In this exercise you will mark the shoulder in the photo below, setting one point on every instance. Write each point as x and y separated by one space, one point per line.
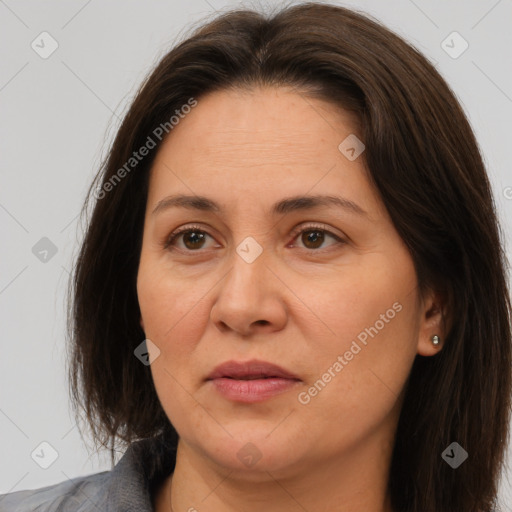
128 487
81 494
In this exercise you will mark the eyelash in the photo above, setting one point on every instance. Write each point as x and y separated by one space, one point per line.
170 241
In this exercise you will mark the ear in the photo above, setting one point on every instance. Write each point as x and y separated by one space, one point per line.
432 322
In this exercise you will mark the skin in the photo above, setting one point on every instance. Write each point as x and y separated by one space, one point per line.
299 304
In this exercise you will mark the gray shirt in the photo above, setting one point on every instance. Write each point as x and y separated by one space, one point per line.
128 487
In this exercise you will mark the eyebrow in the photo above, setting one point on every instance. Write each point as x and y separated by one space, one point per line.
287 205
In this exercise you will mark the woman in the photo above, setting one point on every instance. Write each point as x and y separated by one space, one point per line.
291 294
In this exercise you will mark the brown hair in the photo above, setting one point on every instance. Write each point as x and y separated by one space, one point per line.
424 161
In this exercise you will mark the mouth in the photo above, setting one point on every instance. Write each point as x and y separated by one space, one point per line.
251 381
252 377
250 370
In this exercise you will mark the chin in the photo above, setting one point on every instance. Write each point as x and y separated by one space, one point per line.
253 453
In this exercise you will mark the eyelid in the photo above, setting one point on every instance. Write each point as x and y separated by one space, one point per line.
317 225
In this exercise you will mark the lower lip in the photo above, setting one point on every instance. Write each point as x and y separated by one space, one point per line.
255 390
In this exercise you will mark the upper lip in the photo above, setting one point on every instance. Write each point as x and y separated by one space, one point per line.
248 369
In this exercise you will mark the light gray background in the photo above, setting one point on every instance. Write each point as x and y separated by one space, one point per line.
58 116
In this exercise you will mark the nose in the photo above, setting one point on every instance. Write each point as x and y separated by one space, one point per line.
249 299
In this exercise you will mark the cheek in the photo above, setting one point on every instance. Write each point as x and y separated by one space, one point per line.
373 300
370 299
362 366
172 311
166 305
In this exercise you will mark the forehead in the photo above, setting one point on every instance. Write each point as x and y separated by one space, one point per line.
269 120
259 142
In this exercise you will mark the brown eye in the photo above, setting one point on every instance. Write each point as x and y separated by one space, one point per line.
312 237
193 239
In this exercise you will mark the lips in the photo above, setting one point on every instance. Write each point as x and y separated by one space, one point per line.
250 370
251 381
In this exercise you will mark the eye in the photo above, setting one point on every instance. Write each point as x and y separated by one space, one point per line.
313 236
193 238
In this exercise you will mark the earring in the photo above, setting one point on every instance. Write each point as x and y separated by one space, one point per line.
435 339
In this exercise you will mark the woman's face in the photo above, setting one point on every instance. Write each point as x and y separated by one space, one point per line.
326 291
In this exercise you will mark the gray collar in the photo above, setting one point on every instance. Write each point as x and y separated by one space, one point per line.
128 487
142 468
